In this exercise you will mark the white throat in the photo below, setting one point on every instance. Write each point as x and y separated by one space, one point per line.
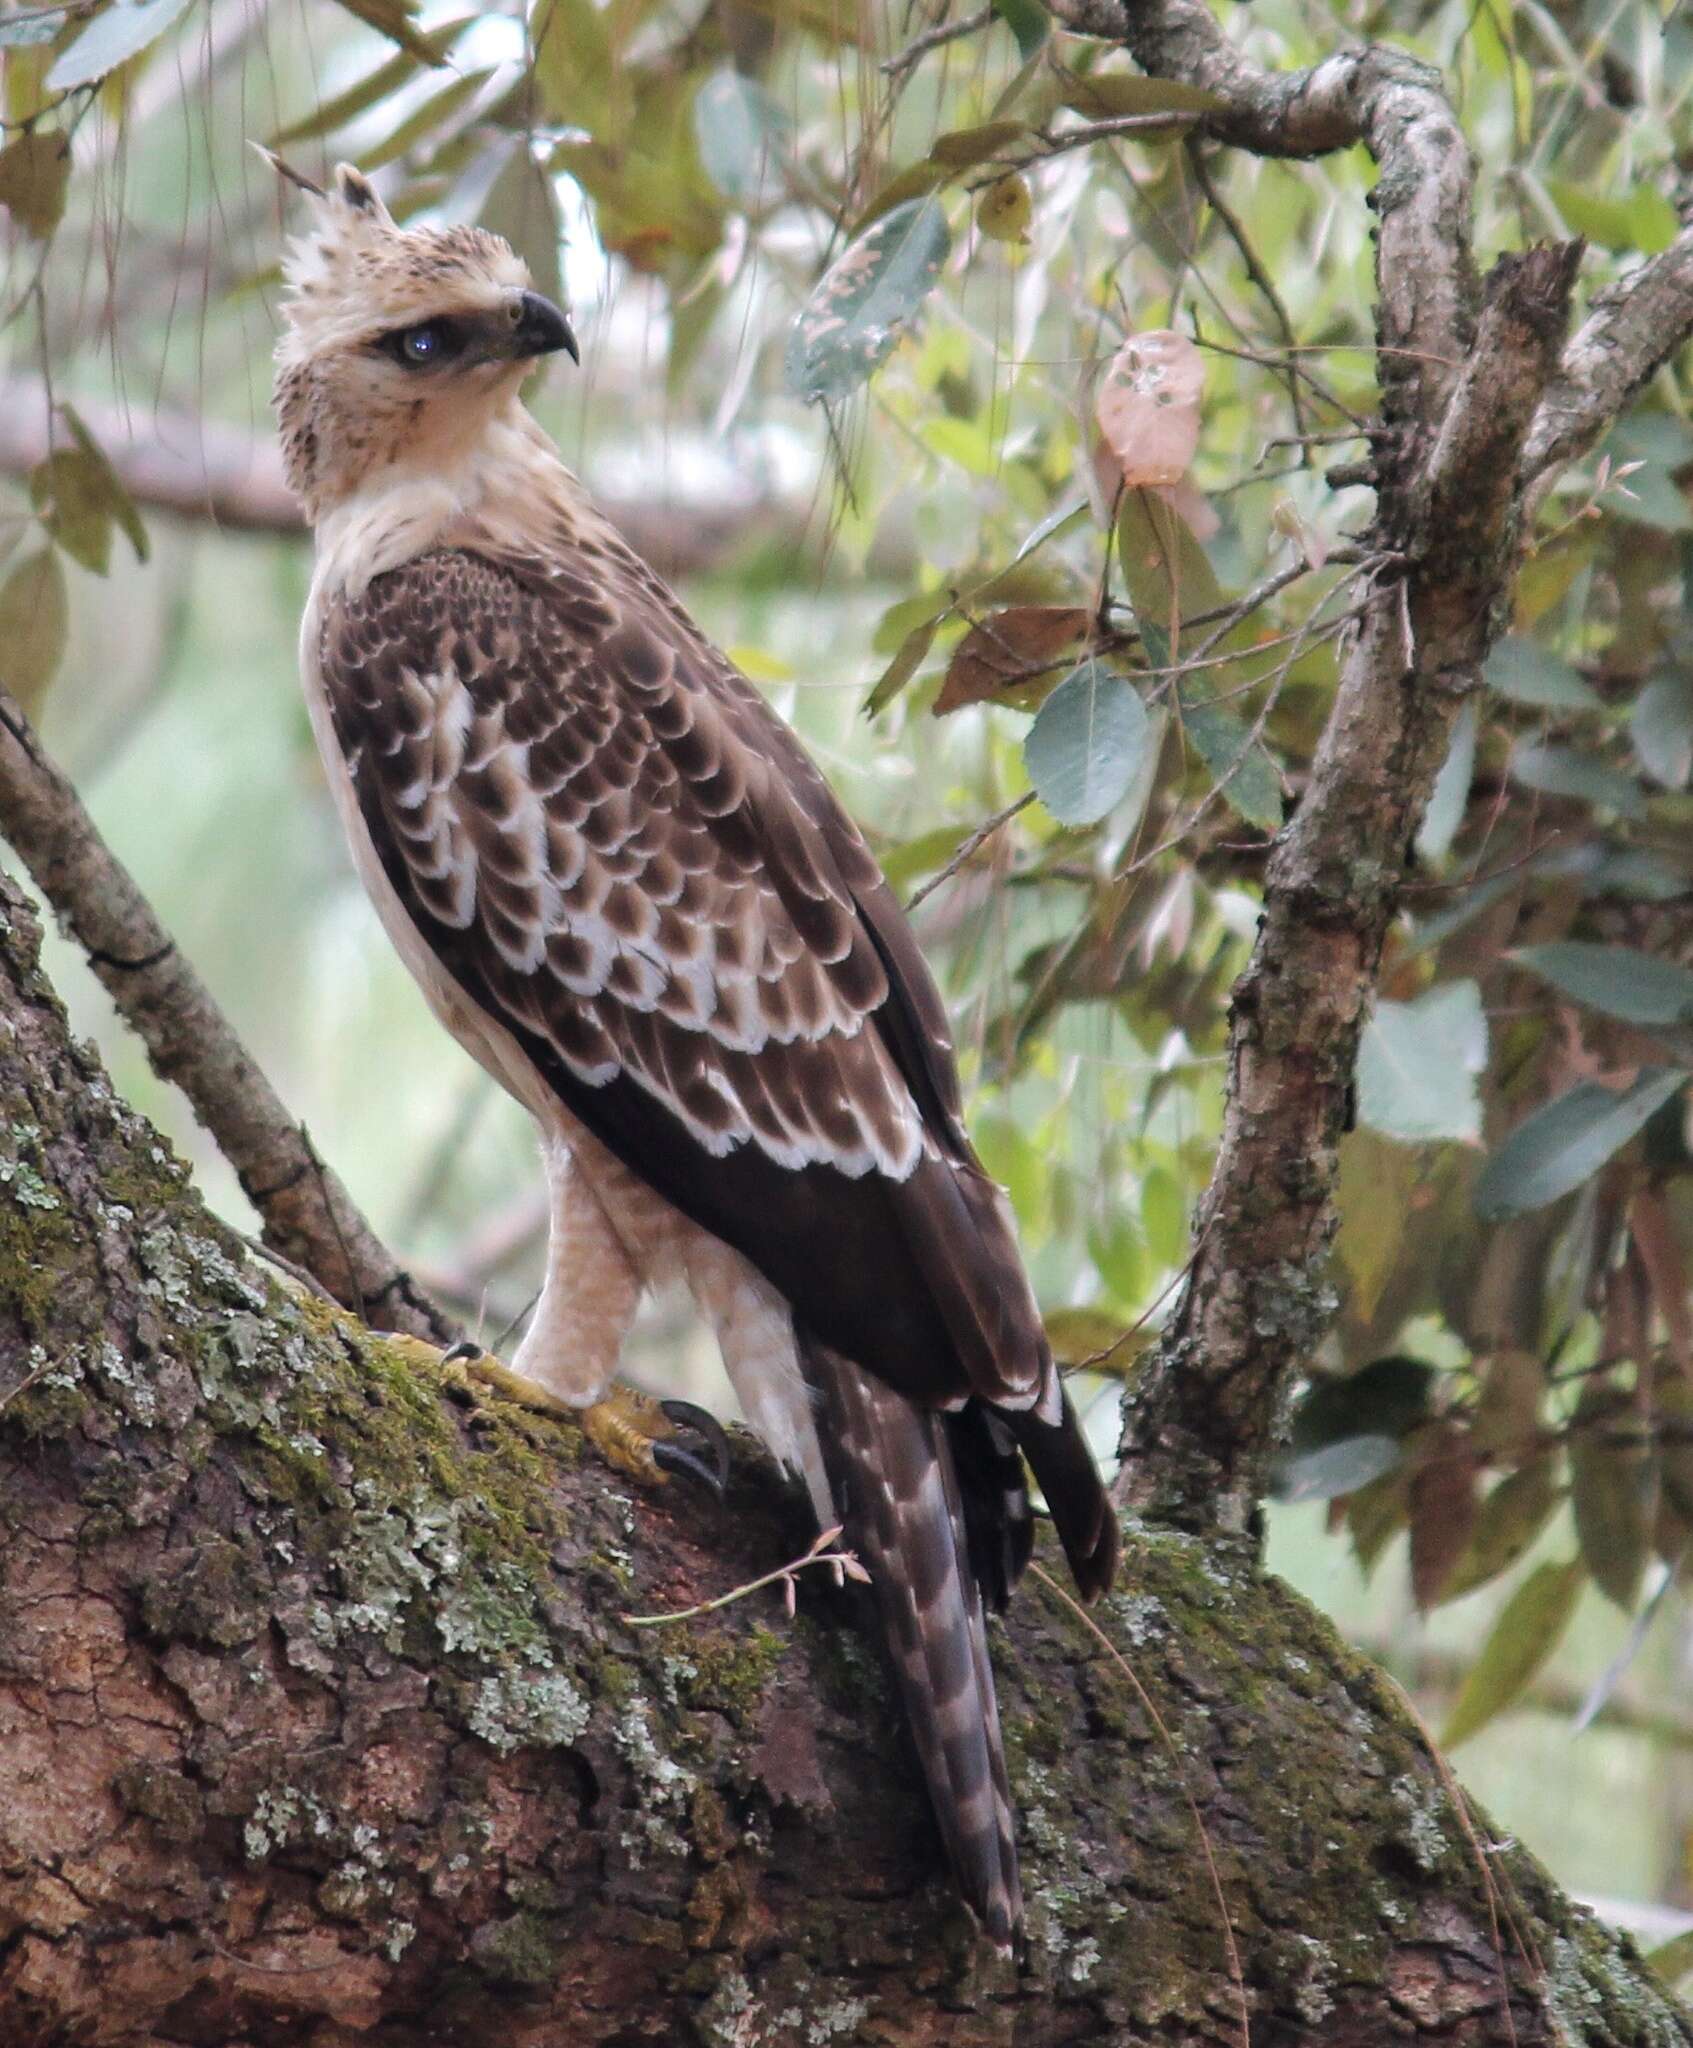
498 483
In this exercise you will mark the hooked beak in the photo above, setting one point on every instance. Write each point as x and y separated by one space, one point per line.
540 329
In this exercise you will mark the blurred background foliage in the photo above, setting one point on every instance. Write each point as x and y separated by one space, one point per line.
851 282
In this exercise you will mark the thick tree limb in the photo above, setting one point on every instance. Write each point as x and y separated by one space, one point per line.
307 1214
319 1725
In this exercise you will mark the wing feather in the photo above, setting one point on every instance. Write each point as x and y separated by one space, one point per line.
611 842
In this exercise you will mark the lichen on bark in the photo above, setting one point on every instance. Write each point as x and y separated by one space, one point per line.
319 1721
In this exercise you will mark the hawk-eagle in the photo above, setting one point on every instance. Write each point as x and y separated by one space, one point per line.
629 893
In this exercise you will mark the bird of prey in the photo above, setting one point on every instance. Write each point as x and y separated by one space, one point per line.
628 892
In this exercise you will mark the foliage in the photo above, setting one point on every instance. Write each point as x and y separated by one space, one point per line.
952 271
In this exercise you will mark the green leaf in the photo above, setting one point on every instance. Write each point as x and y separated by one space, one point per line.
1418 1063
578 68
112 488
1388 1397
1645 220
1163 1214
1525 1635
393 19
1238 763
122 31
1511 1517
1567 1141
1557 771
1527 673
1613 1489
1165 570
1450 797
1661 727
34 618
964 148
68 493
909 658
1335 1469
388 77
1107 95
1615 980
522 206
1028 21
742 133
1086 744
34 172
865 301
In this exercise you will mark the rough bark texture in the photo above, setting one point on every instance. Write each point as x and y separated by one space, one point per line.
1463 373
319 1725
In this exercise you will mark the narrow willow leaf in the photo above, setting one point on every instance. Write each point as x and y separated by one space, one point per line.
1086 744
34 618
31 30
1524 1636
866 300
1105 95
1442 1499
1566 1142
123 30
906 662
522 206
1165 570
964 148
393 19
1418 1064
1614 979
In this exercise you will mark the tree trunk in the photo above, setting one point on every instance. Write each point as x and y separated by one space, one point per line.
321 1723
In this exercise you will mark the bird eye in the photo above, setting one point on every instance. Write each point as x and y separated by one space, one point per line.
420 347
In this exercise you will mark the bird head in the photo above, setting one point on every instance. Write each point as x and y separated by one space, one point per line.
400 345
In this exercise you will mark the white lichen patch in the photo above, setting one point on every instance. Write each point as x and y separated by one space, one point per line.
1422 1833
663 1787
283 1814
514 1711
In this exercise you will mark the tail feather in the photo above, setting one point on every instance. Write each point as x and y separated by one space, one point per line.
891 1466
1065 1472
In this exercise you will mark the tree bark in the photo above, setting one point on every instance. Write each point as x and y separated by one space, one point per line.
320 1722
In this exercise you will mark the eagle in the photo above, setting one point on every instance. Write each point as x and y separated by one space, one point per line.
629 893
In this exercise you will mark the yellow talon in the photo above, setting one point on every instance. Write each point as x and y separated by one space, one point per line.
634 1433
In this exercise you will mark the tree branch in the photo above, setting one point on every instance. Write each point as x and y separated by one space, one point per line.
318 1723
193 468
307 1214
1633 330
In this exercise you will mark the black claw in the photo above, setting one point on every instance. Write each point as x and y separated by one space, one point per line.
461 1353
709 1431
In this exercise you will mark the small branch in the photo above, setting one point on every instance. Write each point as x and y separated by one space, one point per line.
843 1564
1254 270
932 39
1632 331
309 1218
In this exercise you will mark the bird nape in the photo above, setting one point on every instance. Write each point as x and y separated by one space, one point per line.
628 892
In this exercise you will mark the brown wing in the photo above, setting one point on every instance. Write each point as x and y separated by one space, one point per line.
617 850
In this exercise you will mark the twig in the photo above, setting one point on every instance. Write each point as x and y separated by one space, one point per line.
932 39
308 1216
843 1564
1254 268
972 846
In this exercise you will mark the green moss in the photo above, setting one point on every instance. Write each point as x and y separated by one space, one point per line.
725 1674
526 1951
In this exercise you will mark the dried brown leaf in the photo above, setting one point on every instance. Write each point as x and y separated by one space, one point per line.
1010 652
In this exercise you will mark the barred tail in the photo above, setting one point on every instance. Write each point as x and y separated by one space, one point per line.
891 1468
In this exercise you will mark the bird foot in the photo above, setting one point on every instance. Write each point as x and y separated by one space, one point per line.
647 1439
